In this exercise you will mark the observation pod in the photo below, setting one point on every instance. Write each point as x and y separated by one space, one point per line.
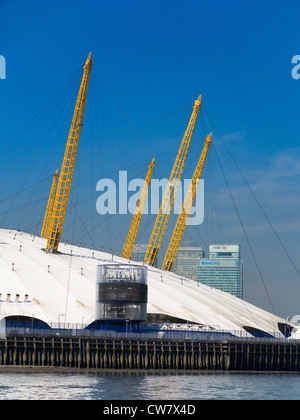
121 295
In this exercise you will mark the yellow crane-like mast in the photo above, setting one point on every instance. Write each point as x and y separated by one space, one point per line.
169 195
186 209
133 230
67 170
50 205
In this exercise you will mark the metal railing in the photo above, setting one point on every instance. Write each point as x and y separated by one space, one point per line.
76 330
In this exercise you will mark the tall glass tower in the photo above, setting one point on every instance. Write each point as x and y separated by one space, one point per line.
186 261
223 269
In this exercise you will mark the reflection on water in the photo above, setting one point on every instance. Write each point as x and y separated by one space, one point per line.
148 386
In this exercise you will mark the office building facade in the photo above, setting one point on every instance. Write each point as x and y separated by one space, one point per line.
223 269
187 261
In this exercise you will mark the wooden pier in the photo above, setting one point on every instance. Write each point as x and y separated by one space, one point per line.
148 354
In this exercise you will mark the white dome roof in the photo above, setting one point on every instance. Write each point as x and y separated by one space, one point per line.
61 288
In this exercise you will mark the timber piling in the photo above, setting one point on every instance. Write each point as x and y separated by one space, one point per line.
149 354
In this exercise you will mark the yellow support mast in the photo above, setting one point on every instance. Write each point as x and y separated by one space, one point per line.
67 170
133 230
50 206
169 195
186 209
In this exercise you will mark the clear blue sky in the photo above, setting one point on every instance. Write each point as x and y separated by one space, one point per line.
156 57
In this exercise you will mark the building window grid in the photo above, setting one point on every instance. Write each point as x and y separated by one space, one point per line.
227 279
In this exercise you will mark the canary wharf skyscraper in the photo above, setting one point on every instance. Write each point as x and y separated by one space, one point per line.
223 269
187 261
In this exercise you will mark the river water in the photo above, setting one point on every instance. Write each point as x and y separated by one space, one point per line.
149 386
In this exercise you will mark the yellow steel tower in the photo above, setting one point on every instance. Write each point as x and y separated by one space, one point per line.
133 230
50 205
185 211
169 195
67 170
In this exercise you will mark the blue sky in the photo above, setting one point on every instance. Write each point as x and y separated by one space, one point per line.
152 59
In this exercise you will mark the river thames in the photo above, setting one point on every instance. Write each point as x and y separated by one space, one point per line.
149 386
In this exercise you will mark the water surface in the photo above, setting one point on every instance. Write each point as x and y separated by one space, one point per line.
149 386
